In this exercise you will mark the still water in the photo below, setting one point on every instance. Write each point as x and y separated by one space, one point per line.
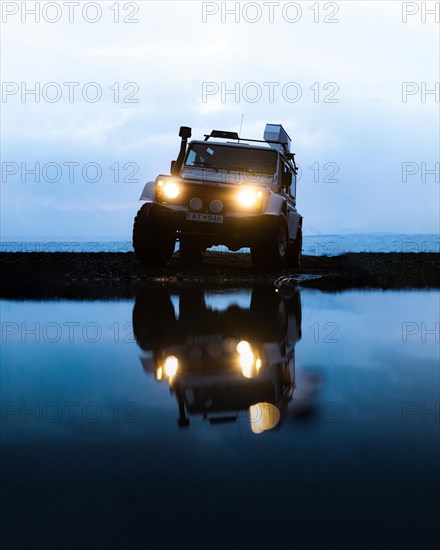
229 419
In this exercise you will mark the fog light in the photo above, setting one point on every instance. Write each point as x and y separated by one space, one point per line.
216 206
196 203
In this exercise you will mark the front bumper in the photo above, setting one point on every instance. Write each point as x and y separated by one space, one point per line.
235 232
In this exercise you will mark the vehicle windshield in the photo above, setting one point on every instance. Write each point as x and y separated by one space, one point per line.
255 162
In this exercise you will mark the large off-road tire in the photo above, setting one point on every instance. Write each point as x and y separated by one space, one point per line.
270 252
153 239
269 315
154 320
295 250
191 252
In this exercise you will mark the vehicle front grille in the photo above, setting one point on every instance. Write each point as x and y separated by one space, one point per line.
207 194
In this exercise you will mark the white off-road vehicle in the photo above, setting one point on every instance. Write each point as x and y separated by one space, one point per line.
224 190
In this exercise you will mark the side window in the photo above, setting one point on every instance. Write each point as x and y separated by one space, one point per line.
293 186
191 157
286 177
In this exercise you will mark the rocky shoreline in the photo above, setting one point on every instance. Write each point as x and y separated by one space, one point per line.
109 275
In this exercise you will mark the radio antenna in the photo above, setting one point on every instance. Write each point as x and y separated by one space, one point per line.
241 125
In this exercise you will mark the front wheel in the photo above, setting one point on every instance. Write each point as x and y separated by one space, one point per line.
271 251
153 239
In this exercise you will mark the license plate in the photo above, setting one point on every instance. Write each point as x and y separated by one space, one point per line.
210 218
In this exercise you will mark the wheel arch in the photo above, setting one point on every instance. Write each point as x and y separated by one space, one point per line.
148 192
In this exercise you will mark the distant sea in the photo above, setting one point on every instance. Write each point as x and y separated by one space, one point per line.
313 245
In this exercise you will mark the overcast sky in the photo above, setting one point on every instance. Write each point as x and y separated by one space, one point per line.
337 72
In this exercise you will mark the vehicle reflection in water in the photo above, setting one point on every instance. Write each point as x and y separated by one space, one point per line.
220 358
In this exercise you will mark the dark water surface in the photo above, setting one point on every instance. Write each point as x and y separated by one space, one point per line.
222 420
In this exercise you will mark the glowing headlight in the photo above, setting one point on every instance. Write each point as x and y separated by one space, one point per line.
249 197
169 188
171 365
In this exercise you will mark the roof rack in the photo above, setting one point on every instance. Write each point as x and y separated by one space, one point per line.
284 142
222 134
234 135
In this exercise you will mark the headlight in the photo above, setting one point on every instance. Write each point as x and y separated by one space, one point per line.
249 197
170 189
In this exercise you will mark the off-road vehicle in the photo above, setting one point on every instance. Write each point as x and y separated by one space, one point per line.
224 190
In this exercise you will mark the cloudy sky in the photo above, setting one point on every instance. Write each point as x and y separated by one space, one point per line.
337 72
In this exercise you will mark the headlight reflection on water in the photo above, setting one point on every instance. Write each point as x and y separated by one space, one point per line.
250 365
169 368
171 365
263 417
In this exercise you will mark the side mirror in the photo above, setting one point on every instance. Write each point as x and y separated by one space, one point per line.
185 132
173 164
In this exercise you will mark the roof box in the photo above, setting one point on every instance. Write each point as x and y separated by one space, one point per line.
277 137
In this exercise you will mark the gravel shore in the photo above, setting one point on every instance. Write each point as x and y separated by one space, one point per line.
119 275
